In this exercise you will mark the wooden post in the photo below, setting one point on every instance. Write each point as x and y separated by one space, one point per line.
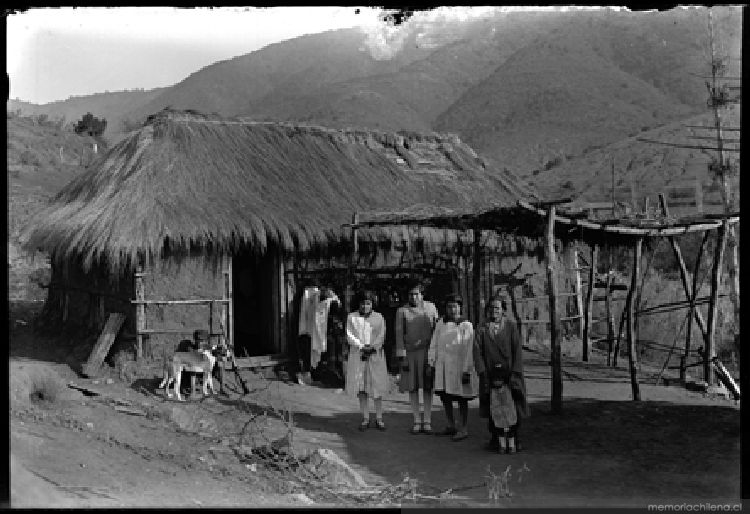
223 307
588 312
710 349
228 307
698 195
140 314
610 314
476 272
631 320
692 309
554 321
684 276
283 306
349 293
210 320
100 317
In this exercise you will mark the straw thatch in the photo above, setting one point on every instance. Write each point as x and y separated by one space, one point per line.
187 180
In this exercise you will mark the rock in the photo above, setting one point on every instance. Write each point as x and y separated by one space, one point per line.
718 390
328 464
90 426
302 498
95 382
110 381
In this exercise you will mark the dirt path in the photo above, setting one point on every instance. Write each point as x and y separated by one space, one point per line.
128 446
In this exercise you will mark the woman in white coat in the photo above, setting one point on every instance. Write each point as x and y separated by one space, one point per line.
451 360
366 372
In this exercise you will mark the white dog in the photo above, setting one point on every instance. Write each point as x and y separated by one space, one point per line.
198 361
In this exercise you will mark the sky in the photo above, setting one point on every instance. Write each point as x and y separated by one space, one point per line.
55 53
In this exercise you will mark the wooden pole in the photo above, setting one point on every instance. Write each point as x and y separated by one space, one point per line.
140 316
734 264
692 309
556 361
349 293
589 306
476 277
227 294
623 319
579 305
710 349
631 320
684 275
610 314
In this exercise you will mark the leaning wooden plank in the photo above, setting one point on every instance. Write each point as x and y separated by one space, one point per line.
726 378
103 344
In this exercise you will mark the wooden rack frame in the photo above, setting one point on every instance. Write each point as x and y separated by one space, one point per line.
225 305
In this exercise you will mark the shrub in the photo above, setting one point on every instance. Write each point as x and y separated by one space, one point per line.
90 125
27 157
552 163
44 389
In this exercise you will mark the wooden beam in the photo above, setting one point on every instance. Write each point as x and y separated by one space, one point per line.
589 305
199 301
631 320
684 276
228 279
554 322
710 350
140 312
693 310
579 305
610 313
476 277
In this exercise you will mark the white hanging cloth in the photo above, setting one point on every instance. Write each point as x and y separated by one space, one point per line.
320 327
307 307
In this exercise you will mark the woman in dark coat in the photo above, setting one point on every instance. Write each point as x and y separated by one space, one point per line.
501 358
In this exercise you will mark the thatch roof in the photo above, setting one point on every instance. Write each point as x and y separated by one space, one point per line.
187 180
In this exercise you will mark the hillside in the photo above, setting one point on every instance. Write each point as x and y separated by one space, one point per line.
41 159
594 80
523 88
110 106
650 167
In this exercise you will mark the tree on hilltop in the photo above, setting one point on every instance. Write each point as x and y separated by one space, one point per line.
90 125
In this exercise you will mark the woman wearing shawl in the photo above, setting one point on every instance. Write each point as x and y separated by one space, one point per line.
501 364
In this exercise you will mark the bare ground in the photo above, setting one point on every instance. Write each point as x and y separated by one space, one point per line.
126 445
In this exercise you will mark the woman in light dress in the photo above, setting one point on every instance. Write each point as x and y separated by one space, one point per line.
366 372
451 358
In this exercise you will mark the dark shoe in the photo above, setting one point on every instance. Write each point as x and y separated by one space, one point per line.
460 436
447 431
416 429
380 425
426 428
364 425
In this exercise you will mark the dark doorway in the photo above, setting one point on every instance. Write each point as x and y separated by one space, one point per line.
253 294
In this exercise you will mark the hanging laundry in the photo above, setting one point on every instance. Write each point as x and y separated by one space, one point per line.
308 304
320 324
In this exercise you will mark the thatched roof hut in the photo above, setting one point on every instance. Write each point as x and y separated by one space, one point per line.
187 180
